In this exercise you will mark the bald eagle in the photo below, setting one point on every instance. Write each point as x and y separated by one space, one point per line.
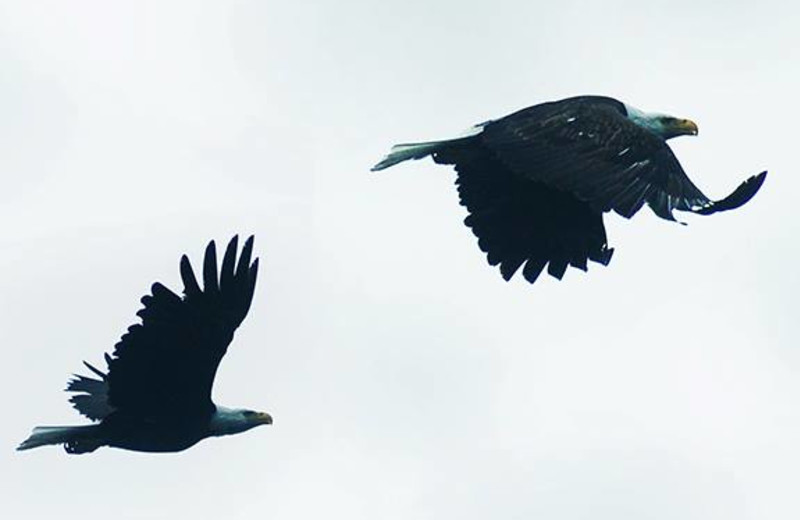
537 182
156 393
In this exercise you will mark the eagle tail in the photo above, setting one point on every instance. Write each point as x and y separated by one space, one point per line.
76 439
405 152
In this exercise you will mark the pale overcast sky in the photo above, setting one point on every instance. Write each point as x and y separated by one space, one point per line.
406 378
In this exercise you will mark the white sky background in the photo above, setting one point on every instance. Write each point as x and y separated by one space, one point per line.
406 379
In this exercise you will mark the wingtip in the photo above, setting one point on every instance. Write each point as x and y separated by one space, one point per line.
210 274
229 261
246 254
211 251
739 197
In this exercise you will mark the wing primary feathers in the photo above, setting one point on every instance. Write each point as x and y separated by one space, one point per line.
251 287
244 259
253 275
743 193
190 285
244 278
210 280
226 277
660 206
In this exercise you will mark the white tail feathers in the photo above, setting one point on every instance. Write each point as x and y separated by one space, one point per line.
404 152
45 435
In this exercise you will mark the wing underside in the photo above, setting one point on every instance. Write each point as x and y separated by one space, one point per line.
519 222
166 364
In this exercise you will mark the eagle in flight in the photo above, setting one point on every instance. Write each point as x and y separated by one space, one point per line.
537 182
156 393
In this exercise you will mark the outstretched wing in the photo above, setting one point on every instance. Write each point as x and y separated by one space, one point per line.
740 195
588 147
165 366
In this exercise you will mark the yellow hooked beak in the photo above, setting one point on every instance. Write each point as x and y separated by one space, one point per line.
686 127
262 418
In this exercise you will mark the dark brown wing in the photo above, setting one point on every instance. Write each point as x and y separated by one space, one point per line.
166 365
518 221
588 147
